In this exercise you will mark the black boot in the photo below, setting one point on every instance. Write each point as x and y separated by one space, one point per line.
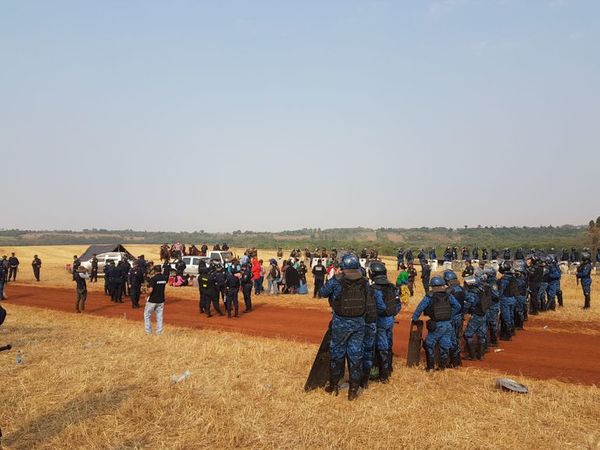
430 362
586 304
481 346
456 360
236 312
470 350
333 387
353 390
364 381
493 340
518 321
505 332
443 363
559 297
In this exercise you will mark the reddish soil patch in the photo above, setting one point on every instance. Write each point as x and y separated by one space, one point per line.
535 352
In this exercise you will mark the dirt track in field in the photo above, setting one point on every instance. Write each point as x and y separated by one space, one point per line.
535 352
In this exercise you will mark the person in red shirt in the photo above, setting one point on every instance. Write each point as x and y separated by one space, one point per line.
256 275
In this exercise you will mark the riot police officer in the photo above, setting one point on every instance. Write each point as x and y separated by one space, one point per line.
584 276
347 294
478 299
246 282
456 290
509 290
440 306
387 304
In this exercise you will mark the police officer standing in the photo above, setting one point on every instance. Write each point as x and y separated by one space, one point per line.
440 306
318 277
136 278
347 294
246 282
94 269
425 274
584 276
36 264
13 267
387 304
232 287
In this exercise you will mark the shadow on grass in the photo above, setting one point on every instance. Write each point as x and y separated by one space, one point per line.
51 424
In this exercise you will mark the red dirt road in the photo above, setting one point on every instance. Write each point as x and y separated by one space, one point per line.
535 352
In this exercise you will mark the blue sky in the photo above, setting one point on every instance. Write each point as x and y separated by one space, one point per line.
270 115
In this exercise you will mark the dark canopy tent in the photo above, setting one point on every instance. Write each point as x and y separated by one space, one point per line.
102 248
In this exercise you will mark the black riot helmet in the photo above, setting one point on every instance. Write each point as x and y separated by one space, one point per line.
377 269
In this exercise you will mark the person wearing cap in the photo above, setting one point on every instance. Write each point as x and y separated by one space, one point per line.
440 306
36 264
155 302
80 278
13 267
232 288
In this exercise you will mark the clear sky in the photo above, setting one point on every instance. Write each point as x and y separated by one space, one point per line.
270 115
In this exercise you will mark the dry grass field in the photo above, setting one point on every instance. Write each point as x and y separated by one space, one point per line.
92 383
55 258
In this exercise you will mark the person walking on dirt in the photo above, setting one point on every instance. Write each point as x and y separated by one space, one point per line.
155 302
584 276
425 274
347 294
13 267
36 264
81 289
136 278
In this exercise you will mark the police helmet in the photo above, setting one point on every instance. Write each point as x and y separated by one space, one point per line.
438 284
506 267
490 273
586 257
376 269
470 281
449 275
350 262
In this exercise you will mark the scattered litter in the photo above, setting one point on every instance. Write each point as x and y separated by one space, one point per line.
268 387
545 327
506 384
19 358
179 378
498 350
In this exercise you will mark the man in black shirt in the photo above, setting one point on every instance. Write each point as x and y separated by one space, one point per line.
155 301
79 277
36 265
319 277
232 286
76 264
13 267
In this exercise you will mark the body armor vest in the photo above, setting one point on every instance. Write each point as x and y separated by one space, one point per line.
353 300
440 309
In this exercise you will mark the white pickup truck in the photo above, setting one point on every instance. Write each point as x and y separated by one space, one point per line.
192 262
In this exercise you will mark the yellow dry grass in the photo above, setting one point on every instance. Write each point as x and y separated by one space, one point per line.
55 258
92 383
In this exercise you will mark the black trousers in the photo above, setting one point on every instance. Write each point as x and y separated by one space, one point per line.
36 273
247 292
134 293
12 272
94 275
232 300
318 286
117 291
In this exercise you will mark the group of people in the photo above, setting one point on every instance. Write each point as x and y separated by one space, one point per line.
451 253
525 287
178 250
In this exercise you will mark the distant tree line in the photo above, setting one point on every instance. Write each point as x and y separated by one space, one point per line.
385 240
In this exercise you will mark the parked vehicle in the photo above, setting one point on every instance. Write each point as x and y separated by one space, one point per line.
104 258
191 264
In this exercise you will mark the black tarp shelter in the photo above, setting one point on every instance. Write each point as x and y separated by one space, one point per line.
102 248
